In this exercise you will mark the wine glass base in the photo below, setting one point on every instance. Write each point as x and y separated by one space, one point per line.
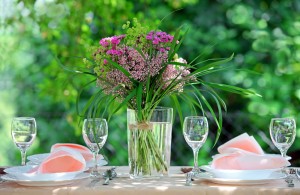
288 157
201 174
95 175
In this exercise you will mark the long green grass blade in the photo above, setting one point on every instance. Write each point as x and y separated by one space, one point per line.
212 65
87 72
79 95
208 106
175 46
177 106
193 104
202 53
211 90
232 89
120 68
124 102
139 98
220 117
140 52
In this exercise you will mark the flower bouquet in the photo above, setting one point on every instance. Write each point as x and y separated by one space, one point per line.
139 69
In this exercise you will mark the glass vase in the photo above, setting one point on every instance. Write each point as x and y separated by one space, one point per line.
149 143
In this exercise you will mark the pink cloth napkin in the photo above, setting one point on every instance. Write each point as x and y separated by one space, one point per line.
60 160
244 153
84 151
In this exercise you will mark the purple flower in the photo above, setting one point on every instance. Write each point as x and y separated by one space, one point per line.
155 41
105 42
115 40
159 37
109 52
114 52
149 36
162 49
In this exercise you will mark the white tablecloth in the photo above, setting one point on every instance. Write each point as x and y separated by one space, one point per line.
175 184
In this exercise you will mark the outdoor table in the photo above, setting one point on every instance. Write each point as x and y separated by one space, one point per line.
174 184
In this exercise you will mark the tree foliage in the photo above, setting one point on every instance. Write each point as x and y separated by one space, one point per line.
264 35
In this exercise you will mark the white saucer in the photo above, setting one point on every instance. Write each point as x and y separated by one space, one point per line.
24 173
22 182
272 178
240 174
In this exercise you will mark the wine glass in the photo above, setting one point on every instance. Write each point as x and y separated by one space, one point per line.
94 132
23 131
283 132
195 130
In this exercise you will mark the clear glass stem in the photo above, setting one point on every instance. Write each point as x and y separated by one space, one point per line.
95 173
23 156
95 160
95 169
196 168
283 153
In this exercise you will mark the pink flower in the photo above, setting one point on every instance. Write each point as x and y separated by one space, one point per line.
149 36
155 41
117 39
114 52
159 37
104 42
162 49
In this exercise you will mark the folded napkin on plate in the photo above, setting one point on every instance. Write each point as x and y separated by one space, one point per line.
244 153
84 151
61 160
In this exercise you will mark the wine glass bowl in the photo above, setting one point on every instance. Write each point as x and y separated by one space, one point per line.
23 132
95 132
283 132
195 131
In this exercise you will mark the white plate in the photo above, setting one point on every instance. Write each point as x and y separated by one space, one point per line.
22 172
47 182
240 174
272 178
38 158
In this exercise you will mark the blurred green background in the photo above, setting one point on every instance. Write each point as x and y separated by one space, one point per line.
264 36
